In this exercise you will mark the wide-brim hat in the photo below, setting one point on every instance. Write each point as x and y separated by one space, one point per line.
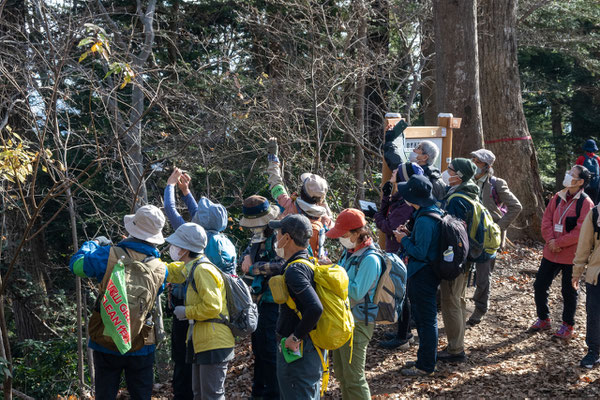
417 191
257 212
590 146
146 224
189 236
314 185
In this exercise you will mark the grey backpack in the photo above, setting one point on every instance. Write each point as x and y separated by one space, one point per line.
243 313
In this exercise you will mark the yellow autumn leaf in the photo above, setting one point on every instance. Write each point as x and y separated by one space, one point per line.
44 169
97 46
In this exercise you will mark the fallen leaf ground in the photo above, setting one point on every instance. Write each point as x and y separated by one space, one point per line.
503 359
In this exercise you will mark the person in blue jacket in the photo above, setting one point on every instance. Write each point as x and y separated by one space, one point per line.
364 269
219 250
421 246
91 261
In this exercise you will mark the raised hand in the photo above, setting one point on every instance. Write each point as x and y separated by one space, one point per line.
184 183
175 175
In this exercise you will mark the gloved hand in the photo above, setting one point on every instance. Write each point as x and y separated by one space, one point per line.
370 212
387 189
272 147
103 241
179 312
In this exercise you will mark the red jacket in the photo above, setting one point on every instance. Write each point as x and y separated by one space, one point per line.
581 159
553 216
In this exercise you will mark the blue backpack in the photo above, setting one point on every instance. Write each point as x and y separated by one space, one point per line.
391 286
591 163
221 252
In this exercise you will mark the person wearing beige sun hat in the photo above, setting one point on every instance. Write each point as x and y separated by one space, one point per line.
310 202
95 259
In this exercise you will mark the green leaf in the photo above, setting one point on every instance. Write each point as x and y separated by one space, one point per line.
83 56
85 41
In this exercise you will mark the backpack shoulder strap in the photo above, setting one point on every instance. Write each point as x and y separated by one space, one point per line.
190 279
595 222
579 204
463 196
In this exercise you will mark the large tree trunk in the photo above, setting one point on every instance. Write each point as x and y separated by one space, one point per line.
457 70
504 123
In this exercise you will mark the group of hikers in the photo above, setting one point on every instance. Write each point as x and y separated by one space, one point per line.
439 229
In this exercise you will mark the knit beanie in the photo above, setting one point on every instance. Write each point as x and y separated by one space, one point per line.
464 168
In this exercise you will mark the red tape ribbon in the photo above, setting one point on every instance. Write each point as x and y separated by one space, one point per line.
508 139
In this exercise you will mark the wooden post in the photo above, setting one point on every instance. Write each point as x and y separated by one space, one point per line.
444 131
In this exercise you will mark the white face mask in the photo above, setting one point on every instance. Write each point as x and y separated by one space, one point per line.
412 157
446 177
258 235
174 252
347 243
568 181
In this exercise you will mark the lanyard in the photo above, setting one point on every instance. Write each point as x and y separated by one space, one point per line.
566 209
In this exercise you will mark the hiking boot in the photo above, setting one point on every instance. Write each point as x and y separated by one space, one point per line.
590 360
409 364
540 325
444 356
473 322
395 343
565 331
414 371
390 335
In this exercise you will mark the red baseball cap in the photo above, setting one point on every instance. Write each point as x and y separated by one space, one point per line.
349 219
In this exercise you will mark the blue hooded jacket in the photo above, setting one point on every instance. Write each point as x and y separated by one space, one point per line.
213 218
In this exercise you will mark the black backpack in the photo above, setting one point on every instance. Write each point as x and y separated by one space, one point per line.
453 232
571 222
595 222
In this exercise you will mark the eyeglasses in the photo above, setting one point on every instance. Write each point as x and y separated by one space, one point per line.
451 169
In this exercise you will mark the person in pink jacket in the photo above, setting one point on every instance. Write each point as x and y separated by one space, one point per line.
561 224
311 202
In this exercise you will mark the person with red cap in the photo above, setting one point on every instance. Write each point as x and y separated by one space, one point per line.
363 265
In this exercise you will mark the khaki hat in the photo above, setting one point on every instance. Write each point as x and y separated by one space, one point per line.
146 224
314 185
189 236
257 212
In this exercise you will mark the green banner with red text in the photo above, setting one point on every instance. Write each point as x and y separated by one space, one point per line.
115 309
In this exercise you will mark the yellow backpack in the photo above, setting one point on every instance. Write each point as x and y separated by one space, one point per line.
336 325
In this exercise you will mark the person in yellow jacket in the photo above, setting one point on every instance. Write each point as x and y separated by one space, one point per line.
210 343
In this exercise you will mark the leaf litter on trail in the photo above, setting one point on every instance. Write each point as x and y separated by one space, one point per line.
503 359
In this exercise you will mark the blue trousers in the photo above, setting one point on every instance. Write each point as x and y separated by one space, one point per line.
592 308
422 289
264 348
300 379
139 375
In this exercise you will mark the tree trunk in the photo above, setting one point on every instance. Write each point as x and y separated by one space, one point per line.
457 70
562 157
359 105
504 122
428 75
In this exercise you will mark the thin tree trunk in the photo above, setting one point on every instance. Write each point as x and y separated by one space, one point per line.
359 105
559 150
428 74
457 70
504 122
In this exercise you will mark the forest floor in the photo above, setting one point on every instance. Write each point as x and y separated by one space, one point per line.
504 360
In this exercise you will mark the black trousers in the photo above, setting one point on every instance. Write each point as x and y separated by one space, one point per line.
182 372
139 375
543 280
264 348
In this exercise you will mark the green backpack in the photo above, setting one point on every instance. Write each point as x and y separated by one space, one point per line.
485 236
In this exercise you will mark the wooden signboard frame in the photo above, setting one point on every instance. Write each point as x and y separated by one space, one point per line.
444 130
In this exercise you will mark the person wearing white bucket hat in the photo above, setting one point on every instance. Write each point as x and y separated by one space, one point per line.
311 202
210 344
95 259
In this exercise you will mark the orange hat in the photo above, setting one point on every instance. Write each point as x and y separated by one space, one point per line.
349 219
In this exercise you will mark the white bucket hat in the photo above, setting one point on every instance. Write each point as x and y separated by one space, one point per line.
189 236
146 224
